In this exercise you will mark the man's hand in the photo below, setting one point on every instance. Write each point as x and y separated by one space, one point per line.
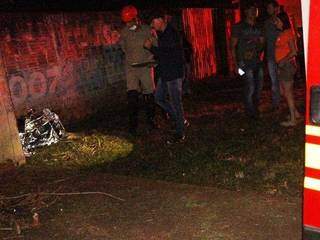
148 44
154 33
281 63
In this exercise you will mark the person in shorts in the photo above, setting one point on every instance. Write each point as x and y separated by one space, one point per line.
285 52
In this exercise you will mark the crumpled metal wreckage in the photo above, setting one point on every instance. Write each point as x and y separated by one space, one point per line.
40 131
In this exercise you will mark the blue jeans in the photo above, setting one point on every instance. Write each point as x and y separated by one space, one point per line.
174 106
275 86
252 89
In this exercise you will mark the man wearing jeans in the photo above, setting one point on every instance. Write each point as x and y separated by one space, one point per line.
169 54
271 34
247 46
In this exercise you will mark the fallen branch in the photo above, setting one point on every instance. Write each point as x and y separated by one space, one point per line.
6 229
14 237
64 194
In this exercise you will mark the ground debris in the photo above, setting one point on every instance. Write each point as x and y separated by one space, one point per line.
22 212
40 131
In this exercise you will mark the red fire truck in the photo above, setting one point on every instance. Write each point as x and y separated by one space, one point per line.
311 211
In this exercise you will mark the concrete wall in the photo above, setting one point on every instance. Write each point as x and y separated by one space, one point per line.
69 62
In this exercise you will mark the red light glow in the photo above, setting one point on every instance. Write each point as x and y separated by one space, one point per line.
198 26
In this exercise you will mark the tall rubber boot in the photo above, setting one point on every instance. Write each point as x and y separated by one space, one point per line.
133 111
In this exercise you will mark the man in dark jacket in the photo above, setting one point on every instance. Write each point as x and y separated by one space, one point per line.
169 54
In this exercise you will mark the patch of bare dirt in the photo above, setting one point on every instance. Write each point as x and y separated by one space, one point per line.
155 210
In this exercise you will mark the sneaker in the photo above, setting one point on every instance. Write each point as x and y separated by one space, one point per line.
186 123
288 123
166 116
173 126
298 116
176 139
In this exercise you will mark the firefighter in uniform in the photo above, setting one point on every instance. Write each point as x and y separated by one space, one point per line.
139 75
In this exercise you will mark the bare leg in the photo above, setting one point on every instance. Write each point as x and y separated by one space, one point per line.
288 92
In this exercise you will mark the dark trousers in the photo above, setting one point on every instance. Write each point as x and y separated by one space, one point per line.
174 106
253 80
133 98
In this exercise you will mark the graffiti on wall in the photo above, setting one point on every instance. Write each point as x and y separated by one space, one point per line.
69 80
60 58
32 85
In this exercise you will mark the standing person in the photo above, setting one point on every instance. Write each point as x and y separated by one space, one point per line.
169 54
285 52
271 33
247 47
139 76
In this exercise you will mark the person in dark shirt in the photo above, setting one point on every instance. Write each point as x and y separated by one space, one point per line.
271 33
247 44
169 54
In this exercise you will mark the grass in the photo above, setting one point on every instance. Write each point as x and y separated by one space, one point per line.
82 151
223 147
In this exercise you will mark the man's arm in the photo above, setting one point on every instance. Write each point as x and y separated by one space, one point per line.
165 51
122 41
